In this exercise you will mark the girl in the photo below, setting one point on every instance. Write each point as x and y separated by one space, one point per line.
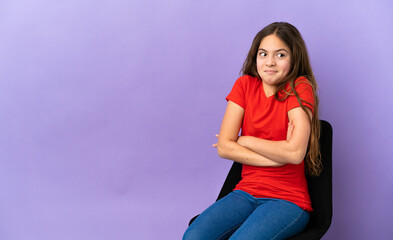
275 105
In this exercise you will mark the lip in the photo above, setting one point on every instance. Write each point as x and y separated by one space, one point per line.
270 71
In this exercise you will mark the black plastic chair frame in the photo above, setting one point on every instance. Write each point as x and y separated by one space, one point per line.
320 189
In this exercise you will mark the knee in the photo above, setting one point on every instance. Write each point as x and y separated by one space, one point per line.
191 235
194 233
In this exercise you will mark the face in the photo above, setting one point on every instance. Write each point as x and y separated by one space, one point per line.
273 60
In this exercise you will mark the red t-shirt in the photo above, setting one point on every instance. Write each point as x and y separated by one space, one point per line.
267 118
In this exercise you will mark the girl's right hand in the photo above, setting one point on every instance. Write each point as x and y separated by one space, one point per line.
215 144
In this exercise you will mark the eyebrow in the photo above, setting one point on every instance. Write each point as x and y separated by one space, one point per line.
281 49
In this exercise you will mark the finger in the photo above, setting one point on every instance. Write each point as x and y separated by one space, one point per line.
290 130
214 145
217 135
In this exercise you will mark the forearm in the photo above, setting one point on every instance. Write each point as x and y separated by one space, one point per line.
284 152
235 152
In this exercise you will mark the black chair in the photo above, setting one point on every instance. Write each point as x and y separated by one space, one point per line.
320 189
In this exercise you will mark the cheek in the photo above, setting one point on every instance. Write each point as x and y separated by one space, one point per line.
286 66
259 63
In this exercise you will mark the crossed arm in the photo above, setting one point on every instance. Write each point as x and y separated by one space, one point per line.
260 152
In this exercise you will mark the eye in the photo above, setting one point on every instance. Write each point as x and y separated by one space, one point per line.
280 55
263 54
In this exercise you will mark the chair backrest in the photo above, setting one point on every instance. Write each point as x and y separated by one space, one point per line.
320 188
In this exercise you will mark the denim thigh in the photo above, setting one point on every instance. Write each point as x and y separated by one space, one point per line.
272 219
221 219
241 216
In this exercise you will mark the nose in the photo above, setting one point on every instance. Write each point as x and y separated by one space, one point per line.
270 61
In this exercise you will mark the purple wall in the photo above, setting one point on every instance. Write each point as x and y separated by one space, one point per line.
109 108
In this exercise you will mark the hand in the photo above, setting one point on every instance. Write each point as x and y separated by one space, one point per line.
290 130
215 144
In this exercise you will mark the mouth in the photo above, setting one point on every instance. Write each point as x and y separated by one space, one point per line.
270 71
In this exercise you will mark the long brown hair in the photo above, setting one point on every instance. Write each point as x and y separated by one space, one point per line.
300 67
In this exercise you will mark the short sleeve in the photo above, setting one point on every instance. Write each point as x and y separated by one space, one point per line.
237 94
305 92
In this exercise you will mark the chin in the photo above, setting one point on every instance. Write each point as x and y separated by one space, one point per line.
271 81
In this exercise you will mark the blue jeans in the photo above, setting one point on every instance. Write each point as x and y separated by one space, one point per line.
241 216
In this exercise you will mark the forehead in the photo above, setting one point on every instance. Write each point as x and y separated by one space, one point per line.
272 43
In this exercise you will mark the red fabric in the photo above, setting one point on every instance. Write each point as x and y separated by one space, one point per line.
267 118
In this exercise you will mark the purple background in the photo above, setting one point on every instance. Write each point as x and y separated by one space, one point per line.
109 109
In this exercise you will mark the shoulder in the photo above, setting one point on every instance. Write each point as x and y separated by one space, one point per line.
305 91
302 87
247 81
301 84
302 79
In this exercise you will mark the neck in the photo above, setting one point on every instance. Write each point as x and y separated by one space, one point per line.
269 89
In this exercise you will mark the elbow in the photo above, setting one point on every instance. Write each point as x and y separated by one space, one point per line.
295 153
222 153
223 149
297 161
296 157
